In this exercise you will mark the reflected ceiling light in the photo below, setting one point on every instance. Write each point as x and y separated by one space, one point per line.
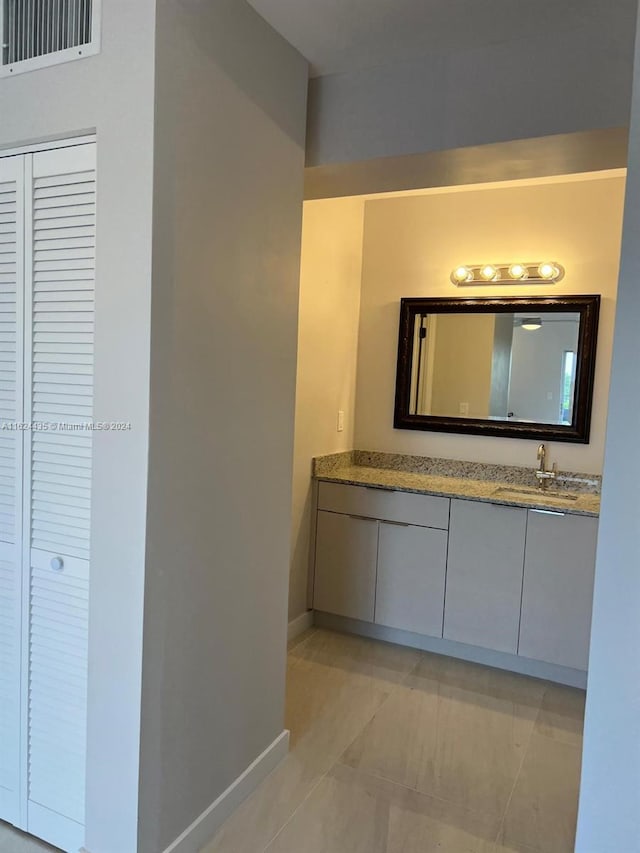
532 324
537 272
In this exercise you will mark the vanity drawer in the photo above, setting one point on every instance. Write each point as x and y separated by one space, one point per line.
370 502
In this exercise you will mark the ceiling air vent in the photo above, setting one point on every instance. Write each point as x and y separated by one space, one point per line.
37 33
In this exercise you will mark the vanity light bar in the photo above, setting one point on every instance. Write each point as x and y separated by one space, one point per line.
540 272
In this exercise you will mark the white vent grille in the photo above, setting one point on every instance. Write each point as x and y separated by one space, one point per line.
38 32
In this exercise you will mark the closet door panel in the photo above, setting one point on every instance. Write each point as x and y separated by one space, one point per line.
11 462
60 453
59 606
10 682
62 349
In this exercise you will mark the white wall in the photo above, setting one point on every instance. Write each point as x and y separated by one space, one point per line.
113 94
609 816
230 122
330 276
556 83
411 244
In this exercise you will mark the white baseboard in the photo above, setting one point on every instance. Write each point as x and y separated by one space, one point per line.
299 625
207 824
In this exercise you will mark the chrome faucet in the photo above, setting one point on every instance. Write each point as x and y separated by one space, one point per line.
543 476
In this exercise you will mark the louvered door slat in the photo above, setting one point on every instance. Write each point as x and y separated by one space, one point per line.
58 680
61 403
71 187
11 445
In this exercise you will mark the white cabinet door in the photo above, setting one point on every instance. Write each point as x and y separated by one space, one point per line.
557 594
484 575
59 394
11 454
345 573
411 576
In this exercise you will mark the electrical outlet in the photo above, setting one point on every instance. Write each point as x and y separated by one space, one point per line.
464 408
341 421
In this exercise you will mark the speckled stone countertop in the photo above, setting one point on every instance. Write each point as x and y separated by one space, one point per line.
347 468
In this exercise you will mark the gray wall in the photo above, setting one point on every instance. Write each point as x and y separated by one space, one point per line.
230 123
111 93
609 818
536 370
559 83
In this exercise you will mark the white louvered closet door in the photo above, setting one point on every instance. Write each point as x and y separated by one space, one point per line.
11 452
61 231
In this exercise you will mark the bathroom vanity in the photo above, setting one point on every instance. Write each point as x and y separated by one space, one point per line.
489 563
498 572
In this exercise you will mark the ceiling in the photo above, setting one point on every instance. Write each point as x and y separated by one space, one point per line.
346 35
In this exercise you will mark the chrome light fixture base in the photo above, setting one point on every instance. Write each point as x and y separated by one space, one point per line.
538 272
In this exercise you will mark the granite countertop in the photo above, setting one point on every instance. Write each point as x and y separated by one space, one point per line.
580 503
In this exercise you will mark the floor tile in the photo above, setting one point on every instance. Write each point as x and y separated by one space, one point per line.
358 655
352 812
258 820
543 809
486 680
301 638
13 841
447 741
327 707
561 714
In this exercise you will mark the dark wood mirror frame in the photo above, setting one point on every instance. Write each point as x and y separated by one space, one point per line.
588 307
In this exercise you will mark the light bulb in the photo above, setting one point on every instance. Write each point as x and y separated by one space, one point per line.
518 271
461 274
548 271
489 273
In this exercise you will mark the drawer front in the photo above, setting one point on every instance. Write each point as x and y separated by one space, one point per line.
404 507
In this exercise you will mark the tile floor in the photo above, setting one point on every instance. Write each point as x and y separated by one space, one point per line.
398 751
12 841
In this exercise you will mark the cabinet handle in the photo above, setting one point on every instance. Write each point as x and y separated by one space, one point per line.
57 564
361 517
396 523
548 512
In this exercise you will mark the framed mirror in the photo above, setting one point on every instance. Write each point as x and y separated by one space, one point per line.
521 367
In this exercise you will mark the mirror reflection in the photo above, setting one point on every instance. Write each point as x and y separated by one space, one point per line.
515 367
